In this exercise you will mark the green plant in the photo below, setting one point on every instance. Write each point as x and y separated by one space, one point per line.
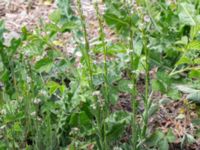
105 99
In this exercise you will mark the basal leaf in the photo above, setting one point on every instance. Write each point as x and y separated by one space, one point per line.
170 136
163 144
194 97
186 89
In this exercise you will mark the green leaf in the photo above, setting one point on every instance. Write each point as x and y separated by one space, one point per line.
163 144
174 94
158 86
14 117
115 132
68 26
116 123
44 65
186 89
194 74
125 86
196 122
187 13
98 79
194 97
155 138
190 138
194 31
55 16
197 61
53 86
113 95
184 60
2 30
79 119
153 109
170 136
65 7
194 45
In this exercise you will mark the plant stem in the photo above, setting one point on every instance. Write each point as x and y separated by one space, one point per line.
147 100
106 84
87 58
146 97
134 88
87 45
183 70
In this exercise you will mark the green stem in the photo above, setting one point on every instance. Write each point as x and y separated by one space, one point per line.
147 100
87 45
134 139
87 59
183 70
106 84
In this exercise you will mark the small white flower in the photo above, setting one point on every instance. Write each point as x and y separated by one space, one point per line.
3 112
28 79
33 113
147 18
96 93
93 106
43 92
36 101
130 86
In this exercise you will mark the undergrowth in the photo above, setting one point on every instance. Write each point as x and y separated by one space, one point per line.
51 101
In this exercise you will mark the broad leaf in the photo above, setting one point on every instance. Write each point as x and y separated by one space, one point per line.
163 144
194 45
44 65
194 97
187 14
